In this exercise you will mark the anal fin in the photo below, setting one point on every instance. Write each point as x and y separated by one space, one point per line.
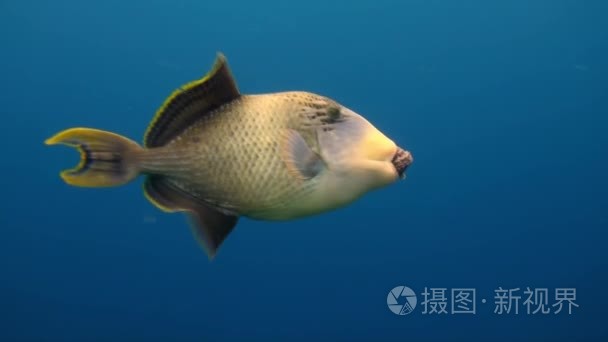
209 226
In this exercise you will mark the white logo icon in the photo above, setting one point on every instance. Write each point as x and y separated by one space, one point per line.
401 300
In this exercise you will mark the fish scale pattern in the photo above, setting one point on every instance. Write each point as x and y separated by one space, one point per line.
231 157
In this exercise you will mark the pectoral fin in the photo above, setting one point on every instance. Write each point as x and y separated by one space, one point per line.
209 225
301 161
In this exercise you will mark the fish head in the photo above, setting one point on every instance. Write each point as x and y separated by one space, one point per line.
359 156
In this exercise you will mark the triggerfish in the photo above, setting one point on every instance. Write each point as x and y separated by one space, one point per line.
216 154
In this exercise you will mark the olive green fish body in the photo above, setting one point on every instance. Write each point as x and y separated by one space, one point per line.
232 157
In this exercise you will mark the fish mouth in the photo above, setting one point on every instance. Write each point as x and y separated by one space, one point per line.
401 160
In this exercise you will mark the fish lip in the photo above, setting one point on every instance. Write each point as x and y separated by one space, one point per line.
401 160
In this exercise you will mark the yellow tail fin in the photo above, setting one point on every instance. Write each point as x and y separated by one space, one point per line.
106 159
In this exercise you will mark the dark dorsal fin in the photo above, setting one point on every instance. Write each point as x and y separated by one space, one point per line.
190 102
209 226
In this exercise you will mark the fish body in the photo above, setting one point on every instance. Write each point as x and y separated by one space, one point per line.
217 155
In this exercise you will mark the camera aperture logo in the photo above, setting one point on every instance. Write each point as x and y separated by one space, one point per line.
401 300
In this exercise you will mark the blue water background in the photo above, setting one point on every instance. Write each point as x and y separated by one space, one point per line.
504 105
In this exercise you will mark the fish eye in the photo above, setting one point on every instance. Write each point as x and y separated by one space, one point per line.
333 113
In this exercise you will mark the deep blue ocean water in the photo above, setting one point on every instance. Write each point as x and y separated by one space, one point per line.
504 105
